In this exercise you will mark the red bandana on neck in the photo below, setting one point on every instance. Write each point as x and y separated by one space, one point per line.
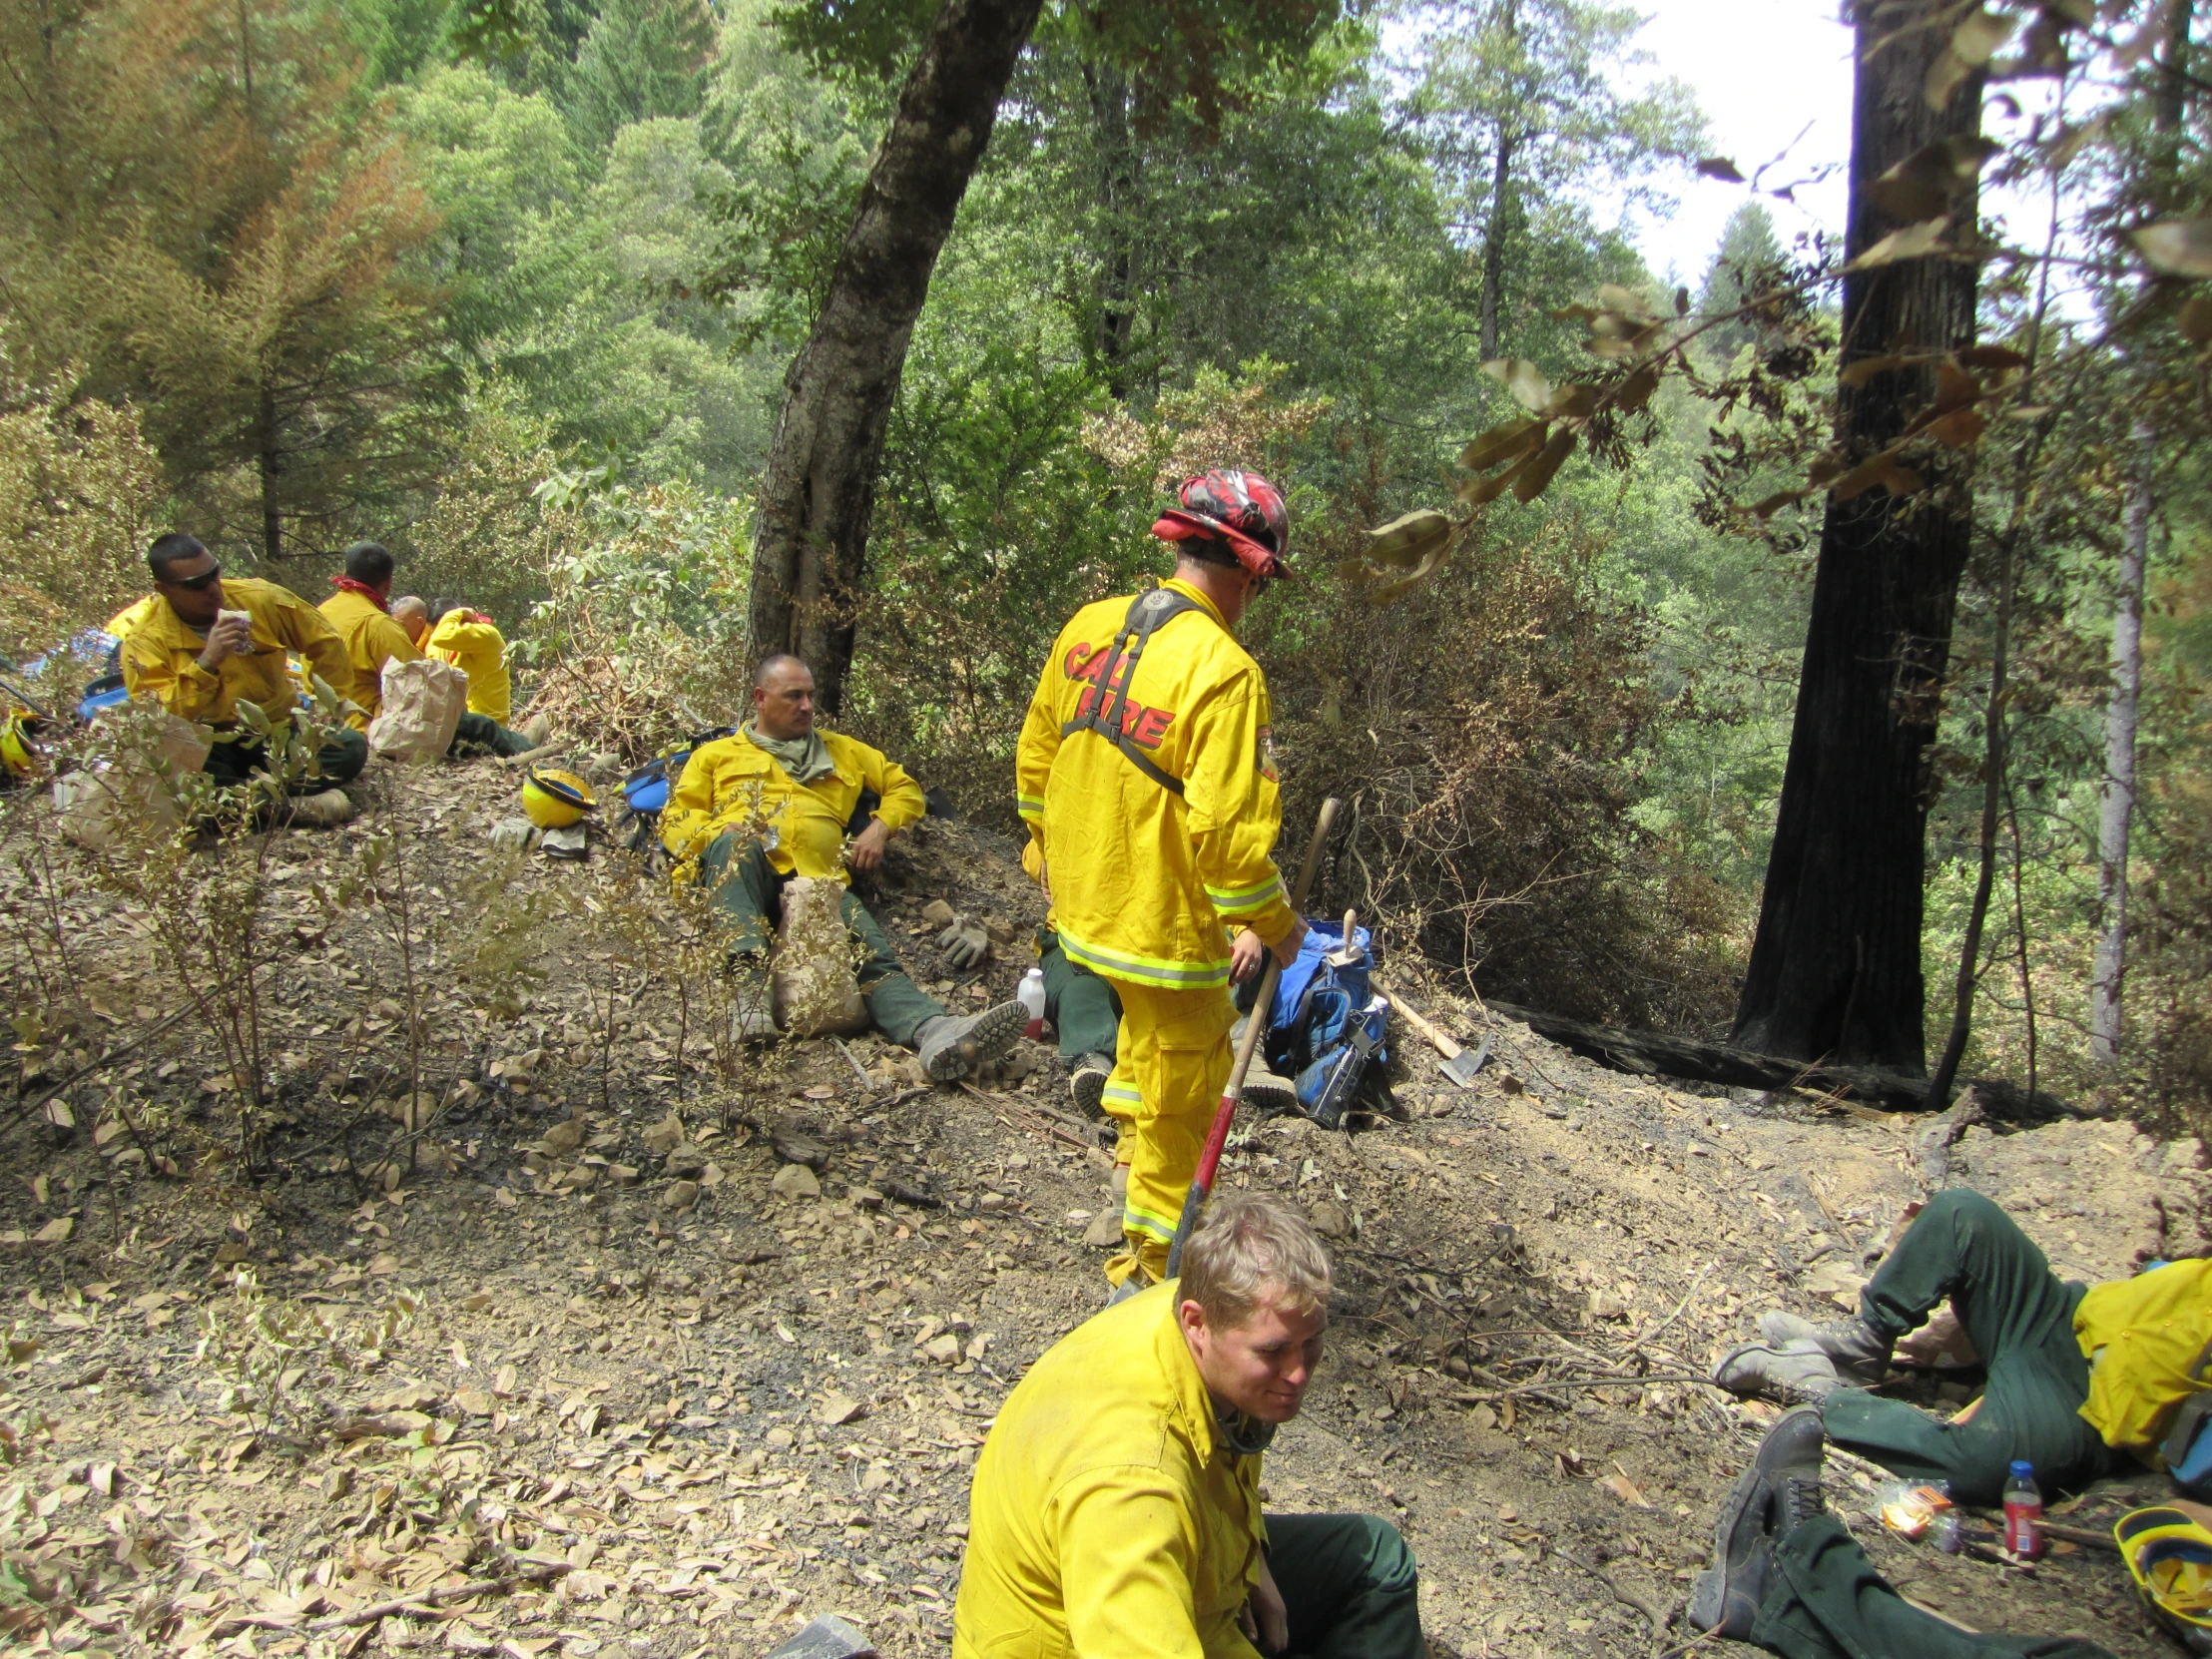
346 584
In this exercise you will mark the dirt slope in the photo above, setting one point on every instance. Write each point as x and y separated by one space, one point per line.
595 1337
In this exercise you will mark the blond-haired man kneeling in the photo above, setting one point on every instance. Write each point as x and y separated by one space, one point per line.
1116 1505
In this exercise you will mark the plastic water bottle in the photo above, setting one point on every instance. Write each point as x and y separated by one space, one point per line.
2023 1514
1031 998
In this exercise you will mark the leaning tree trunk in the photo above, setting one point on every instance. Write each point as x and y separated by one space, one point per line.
1835 968
809 543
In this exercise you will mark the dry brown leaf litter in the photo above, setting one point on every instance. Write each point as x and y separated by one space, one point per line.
584 1352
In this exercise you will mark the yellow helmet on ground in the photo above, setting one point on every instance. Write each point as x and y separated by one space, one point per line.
17 751
556 799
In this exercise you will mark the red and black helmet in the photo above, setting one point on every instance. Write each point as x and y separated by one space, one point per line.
1241 509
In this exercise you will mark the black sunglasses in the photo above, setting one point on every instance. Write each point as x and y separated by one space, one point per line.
201 583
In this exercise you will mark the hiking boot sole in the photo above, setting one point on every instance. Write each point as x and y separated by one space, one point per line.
991 1034
1088 1090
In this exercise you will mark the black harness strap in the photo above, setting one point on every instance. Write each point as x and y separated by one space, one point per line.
1148 613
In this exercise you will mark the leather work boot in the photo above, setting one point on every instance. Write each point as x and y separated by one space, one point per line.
953 1047
1087 1082
538 729
1780 1490
1861 1356
1794 1372
1269 1095
325 808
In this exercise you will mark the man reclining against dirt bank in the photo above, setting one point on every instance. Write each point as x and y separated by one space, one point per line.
1789 1576
802 786
2078 1376
186 655
1116 1503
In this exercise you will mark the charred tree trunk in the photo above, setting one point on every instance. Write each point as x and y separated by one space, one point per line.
818 491
1835 968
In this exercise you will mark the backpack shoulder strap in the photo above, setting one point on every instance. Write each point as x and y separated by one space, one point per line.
1148 613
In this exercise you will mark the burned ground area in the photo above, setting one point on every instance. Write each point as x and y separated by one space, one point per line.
531 1316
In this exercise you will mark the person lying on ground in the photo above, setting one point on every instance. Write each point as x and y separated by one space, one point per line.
1788 1576
751 813
361 613
2081 1378
200 663
1146 774
1116 1502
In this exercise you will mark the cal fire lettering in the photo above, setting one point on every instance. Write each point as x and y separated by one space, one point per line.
1143 726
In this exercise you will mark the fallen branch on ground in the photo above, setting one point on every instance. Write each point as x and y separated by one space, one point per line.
1654 1052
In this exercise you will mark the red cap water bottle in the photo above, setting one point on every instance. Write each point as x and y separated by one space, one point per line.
2023 1514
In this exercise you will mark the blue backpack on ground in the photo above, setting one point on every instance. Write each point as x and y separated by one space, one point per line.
1327 1026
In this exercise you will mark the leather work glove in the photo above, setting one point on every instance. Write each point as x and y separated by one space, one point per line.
964 943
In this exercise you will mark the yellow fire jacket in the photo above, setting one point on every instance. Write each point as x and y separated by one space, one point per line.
1144 878
161 656
724 781
2155 1334
371 640
1107 1515
472 643
120 624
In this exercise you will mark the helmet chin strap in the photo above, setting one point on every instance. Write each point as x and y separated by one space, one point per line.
1243 1433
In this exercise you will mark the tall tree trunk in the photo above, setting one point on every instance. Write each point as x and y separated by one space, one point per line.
1117 202
1493 238
809 545
268 458
2118 806
1835 966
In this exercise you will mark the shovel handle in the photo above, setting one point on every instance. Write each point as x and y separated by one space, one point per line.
1256 1024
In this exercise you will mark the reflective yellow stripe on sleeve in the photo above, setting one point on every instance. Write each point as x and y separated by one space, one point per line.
1230 901
1030 808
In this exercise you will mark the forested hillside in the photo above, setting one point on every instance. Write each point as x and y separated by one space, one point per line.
513 287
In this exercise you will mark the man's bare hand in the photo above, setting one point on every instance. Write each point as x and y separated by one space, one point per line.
1267 1622
866 850
230 636
1246 952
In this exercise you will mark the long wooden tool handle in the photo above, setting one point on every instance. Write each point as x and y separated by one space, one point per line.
1256 1024
1445 1046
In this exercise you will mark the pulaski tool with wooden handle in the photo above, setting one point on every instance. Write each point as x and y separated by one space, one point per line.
1202 1184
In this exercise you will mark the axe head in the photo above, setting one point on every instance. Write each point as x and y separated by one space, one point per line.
1462 1066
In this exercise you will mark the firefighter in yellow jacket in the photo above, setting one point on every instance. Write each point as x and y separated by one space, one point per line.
1116 1508
203 643
778 800
361 613
1147 780
452 633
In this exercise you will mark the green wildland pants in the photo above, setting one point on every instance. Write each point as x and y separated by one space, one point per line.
1082 1007
1827 1601
339 762
1349 1585
748 894
481 732
2020 1315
